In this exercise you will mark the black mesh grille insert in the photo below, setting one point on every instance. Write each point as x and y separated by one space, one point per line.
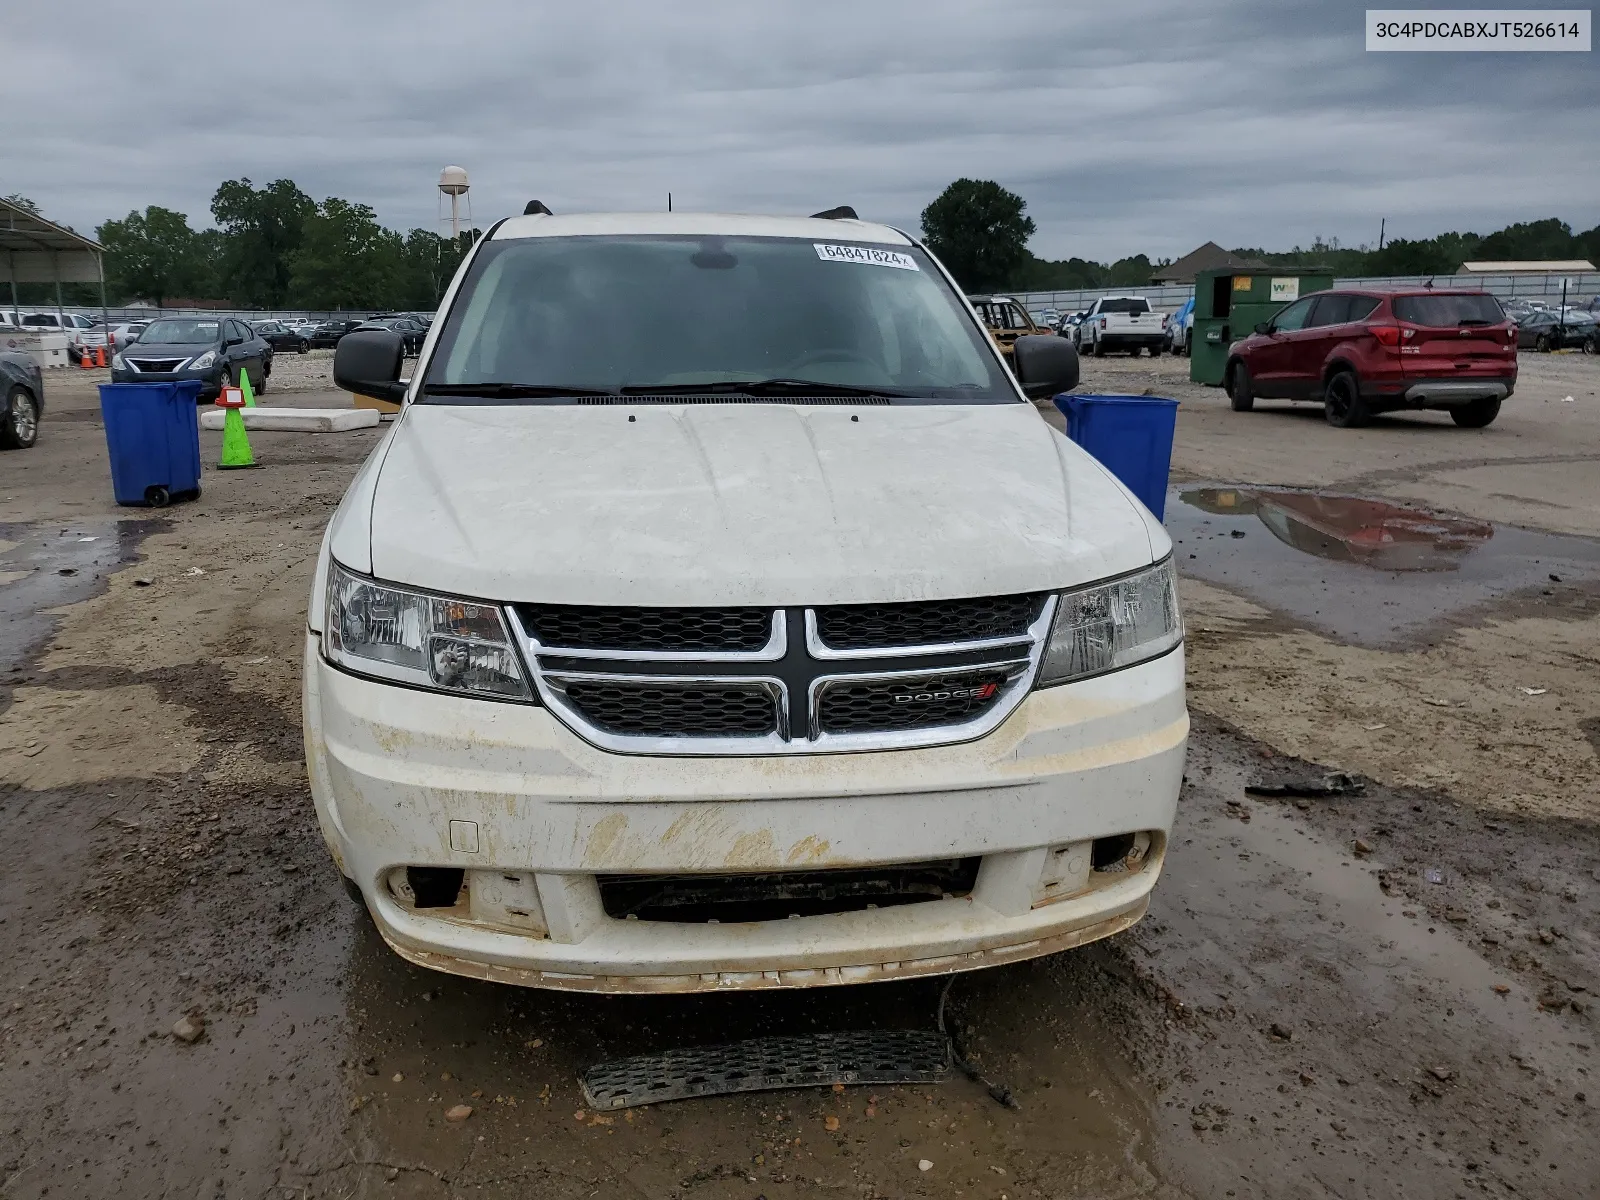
582 627
926 623
873 706
779 895
667 710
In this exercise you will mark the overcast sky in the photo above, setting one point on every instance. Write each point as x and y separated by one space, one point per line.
1129 126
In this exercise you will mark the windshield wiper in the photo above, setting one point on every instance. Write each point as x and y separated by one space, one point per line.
510 391
759 387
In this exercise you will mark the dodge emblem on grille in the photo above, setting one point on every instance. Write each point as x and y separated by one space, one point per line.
981 692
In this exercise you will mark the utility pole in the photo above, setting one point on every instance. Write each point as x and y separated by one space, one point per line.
1382 224
669 201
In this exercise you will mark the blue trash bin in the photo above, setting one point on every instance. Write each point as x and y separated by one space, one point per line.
1130 435
153 437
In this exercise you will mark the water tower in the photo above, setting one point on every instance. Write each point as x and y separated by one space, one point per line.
453 183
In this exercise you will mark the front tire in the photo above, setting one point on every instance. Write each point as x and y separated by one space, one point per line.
19 423
1239 392
1542 344
1342 403
1477 414
1155 351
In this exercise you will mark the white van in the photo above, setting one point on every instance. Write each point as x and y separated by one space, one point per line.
720 613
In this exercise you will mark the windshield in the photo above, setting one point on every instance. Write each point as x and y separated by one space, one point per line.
178 332
1446 310
604 314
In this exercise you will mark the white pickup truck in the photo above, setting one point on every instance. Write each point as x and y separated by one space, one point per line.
719 613
1122 323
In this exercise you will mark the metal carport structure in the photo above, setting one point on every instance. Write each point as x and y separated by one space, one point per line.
34 250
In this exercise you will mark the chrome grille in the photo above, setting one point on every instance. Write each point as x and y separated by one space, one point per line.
745 680
861 705
919 623
639 709
592 627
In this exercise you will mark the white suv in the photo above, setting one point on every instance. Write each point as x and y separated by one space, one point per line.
718 612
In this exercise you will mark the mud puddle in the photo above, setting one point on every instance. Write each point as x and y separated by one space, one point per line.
43 567
426 1043
1364 571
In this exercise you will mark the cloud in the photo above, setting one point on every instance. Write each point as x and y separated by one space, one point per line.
1136 126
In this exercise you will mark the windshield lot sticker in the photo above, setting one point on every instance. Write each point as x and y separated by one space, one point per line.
866 254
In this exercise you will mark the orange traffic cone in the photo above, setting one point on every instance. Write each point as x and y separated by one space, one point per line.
100 356
84 360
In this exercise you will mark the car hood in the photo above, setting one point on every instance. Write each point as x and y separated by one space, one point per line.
762 504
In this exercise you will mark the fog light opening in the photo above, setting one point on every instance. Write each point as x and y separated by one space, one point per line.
434 887
1111 853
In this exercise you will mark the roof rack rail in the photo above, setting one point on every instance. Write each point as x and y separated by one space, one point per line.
536 206
843 213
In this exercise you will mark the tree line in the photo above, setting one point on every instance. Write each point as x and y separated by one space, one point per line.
275 247
980 231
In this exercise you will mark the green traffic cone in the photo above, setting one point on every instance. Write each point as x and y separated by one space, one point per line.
244 386
235 442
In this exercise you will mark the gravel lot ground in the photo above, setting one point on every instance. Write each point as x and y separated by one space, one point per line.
1373 994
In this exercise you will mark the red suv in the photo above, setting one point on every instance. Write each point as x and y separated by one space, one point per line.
1362 352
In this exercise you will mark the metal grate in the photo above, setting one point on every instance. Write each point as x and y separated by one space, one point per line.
767 1064
674 710
779 895
645 630
872 705
926 623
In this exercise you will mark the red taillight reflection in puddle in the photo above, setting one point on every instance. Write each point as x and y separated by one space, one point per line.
1372 533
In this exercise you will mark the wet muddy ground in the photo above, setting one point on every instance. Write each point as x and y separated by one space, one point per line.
1383 992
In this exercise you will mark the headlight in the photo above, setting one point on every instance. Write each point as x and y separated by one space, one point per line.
117 364
207 359
1113 625
427 641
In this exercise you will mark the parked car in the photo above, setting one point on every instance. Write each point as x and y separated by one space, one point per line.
1545 329
1067 326
1180 328
213 350
1005 319
721 614
1121 323
121 334
1360 352
22 389
72 325
329 333
283 337
411 333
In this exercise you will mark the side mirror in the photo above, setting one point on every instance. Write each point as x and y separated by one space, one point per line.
368 363
1044 365
1263 327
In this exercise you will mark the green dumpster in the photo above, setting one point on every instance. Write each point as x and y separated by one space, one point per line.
1230 302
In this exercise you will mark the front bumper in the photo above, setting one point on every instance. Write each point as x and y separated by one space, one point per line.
410 778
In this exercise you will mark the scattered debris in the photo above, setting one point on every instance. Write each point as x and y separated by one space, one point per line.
831 1124
143 581
189 1029
924 1164
1375 728
1442 1074
458 1113
1433 875
1335 783
1527 691
1281 1031
1363 846
194 571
